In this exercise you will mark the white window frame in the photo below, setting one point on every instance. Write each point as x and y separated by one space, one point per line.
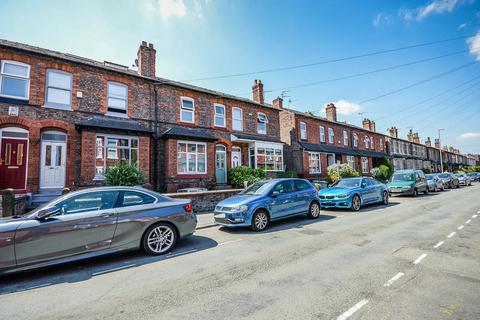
303 131
239 151
219 116
55 105
367 142
8 75
237 119
104 148
345 137
351 161
253 154
318 158
196 172
183 109
355 140
117 113
322 134
381 144
264 123
331 135
364 165
372 142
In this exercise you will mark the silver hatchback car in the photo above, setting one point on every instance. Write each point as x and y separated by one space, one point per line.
94 222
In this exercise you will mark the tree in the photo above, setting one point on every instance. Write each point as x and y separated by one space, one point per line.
338 171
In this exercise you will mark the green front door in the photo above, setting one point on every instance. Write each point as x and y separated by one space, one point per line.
221 164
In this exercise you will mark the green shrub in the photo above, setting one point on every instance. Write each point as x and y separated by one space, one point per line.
376 173
124 175
339 171
237 176
427 170
288 174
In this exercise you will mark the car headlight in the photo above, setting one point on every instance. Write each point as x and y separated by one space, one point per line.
345 195
240 208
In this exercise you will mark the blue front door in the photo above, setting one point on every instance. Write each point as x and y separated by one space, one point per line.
221 164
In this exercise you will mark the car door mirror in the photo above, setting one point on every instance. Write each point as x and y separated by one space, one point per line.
363 185
275 194
47 212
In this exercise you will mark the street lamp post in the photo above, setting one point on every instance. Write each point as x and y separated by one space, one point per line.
440 149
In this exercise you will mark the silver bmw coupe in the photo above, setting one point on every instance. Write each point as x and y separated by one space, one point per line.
94 222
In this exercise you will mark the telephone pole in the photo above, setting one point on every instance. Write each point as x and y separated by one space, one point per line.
440 149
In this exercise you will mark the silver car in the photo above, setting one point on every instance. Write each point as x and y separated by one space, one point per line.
434 183
464 180
94 222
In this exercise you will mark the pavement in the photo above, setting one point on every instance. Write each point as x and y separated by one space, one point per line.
417 258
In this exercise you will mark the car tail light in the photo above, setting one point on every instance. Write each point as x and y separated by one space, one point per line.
188 207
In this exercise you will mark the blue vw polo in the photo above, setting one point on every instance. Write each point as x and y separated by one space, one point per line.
266 201
352 193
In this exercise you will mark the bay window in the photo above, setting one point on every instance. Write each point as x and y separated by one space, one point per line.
187 110
219 118
266 156
191 157
14 80
314 164
113 151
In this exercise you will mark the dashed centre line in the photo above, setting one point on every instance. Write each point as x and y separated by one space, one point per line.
438 244
347 314
461 227
468 221
393 279
474 216
451 234
417 261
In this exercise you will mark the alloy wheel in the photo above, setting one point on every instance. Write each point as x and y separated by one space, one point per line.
261 220
356 203
161 239
385 198
314 210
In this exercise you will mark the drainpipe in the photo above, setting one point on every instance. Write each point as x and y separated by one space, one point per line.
155 139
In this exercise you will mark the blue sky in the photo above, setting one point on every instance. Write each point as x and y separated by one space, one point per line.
203 38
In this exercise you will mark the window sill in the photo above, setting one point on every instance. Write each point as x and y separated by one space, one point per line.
58 107
99 178
118 115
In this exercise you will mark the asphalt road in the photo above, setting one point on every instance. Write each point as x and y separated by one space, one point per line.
409 260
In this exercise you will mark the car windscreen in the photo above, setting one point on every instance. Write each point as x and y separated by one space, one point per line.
429 176
348 183
444 175
400 177
259 187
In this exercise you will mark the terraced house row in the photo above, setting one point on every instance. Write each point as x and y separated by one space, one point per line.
65 120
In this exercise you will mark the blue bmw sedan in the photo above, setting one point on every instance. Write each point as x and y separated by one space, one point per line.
352 193
266 201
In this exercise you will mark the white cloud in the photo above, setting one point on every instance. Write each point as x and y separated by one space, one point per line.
346 107
434 7
382 19
469 136
462 26
166 8
474 45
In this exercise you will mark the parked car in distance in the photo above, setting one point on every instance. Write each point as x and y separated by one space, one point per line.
463 179
320 184
449 180
190 190
408 182
474 176
352 193
94 222
434 183
266 201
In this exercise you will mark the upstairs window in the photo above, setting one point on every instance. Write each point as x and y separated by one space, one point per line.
372 142
367 143
345 137
58 91
117 99
262 123
219 115
381 144
303 131
331 135
237 119
355 140
322 134
14 80
187 112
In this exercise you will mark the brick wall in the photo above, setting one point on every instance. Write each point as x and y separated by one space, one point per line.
205 201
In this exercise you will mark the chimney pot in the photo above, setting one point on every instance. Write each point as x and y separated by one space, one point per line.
331 112
278 103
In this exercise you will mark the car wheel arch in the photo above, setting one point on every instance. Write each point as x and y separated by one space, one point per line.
258 209
156 222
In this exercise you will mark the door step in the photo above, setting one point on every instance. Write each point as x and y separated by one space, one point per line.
45 195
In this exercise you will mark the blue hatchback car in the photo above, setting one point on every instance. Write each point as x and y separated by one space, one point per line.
266 201
352 193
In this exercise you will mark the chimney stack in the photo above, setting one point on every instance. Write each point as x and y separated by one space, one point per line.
428 142
437 144
410 135
257 90
451 149
368 124
393 132
416 138
278 103
331 112
146 59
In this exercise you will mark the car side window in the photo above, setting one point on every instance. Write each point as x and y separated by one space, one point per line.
91 201
132 198
284 187
302 185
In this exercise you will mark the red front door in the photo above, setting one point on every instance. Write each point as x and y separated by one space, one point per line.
13 167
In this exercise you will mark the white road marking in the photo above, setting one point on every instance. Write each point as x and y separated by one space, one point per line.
417 261
112 269
393 279
438 244
180 253
468 221
347 314
460 228
228 242
451 235
474 216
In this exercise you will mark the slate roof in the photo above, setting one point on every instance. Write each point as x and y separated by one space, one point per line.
257 137
348 151
111 123
184 132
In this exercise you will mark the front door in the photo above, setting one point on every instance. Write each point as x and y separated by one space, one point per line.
220 164
13 167
52 164
236 157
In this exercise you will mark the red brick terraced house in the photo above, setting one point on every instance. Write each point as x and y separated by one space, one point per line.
313 143
64 120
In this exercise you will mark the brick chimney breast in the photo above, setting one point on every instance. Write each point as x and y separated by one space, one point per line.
278 103
257 90
416 138
428 142
410 135
437 144
393 132
146 55
331 112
